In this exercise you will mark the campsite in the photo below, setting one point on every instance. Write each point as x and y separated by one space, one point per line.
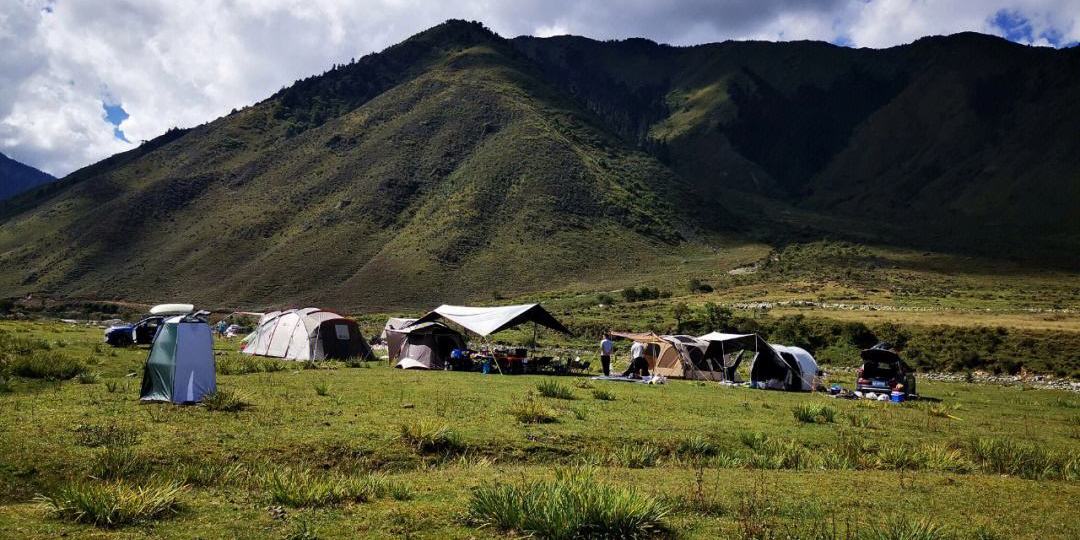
523 270
717 460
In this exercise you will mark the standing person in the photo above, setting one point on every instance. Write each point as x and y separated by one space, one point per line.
606 347
639 367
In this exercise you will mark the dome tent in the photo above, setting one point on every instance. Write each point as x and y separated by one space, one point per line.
180 367
423 346
306 334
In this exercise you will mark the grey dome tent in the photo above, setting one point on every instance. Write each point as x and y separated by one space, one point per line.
307 334
180 367
422 346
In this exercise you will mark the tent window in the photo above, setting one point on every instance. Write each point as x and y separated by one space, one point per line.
342 331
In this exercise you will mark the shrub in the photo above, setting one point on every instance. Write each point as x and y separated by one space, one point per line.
46 364
7 386
533 412
603 395
811 413
943 457
429 437
112 504
302 487
554 389
573 505
225 401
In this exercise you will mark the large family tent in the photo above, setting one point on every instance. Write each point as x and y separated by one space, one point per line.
180 367
730 349
485 321
784 368
307 334
678 356
422 346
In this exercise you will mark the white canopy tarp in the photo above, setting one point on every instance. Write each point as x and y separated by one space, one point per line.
485 321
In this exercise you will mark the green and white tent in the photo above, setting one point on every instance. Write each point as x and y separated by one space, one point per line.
180 368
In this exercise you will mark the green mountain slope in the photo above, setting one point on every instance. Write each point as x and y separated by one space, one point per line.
459 165
964 142
460 168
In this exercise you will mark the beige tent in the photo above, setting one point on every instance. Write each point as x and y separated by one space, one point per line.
679 357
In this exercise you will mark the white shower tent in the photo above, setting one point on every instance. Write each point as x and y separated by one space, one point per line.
306 334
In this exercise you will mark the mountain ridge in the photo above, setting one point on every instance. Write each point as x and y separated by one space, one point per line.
459 165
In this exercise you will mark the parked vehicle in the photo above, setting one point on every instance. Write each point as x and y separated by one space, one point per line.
140 333
884 371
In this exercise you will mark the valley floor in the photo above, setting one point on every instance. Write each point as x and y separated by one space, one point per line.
979 461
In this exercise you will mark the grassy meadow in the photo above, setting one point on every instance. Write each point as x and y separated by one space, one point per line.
363 450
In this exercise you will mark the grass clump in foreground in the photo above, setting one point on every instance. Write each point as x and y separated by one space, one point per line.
533 412
429 437
603 395
225 401
112 504
44 364
814 413
554 389
573 505
304 488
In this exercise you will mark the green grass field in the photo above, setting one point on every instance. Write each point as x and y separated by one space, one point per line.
343 452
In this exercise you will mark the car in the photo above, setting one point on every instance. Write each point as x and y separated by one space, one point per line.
140 333
884 371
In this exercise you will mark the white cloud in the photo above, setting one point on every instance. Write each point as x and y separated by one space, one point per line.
180 63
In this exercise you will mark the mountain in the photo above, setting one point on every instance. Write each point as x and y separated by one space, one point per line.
16 177
965 142
434 169
459 165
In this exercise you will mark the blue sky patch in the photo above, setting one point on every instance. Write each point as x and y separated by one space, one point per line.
1014 25
115 114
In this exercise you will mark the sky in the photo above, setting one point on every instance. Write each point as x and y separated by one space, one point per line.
81 80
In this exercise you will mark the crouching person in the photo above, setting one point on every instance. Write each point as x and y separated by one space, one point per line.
639 367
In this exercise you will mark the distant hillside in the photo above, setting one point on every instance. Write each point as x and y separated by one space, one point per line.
458 164
16 177
966 142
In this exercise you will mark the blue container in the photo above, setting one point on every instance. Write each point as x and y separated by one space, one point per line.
487 365
896 396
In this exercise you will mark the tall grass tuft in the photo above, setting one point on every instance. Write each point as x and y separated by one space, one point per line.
322 389
1006 456
603 394
573 505
305 488
906 529
225 401
696 446
117 461
88 377
554 389
814 413
533 412
638 456
429 437
45 364
113 503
